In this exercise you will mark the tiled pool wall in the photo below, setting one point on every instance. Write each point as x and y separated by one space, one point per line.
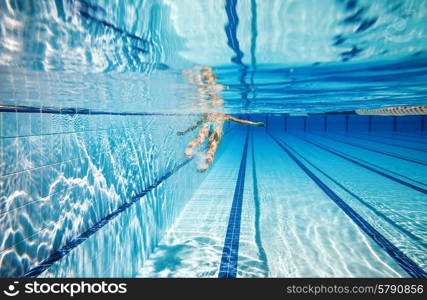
398 124
60 174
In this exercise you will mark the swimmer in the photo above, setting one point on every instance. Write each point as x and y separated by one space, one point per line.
205 79
211 123
212 127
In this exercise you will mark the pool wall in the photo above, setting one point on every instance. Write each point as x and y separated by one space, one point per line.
61 174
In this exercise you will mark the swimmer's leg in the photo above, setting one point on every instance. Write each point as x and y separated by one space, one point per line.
202 134
214 141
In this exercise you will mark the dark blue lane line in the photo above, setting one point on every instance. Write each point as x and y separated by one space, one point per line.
95 17
422 135
399 138
145 43
346 123
385 143
374 150
392 137
59 254
233 42
399 257
80 111
88 10
228 266
231 31
414 187
254 35
257 205
378 167
90 13
365 203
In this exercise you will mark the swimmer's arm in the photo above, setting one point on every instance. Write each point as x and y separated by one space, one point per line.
200 121
245 122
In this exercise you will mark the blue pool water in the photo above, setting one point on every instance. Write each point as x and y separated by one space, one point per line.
93 177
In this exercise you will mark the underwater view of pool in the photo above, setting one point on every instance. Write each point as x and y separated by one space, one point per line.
214 138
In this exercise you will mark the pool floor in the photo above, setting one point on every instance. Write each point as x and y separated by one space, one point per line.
298 204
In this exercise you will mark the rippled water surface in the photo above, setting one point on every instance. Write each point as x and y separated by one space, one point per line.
276 56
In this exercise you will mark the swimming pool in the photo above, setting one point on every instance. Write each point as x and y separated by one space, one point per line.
93 177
